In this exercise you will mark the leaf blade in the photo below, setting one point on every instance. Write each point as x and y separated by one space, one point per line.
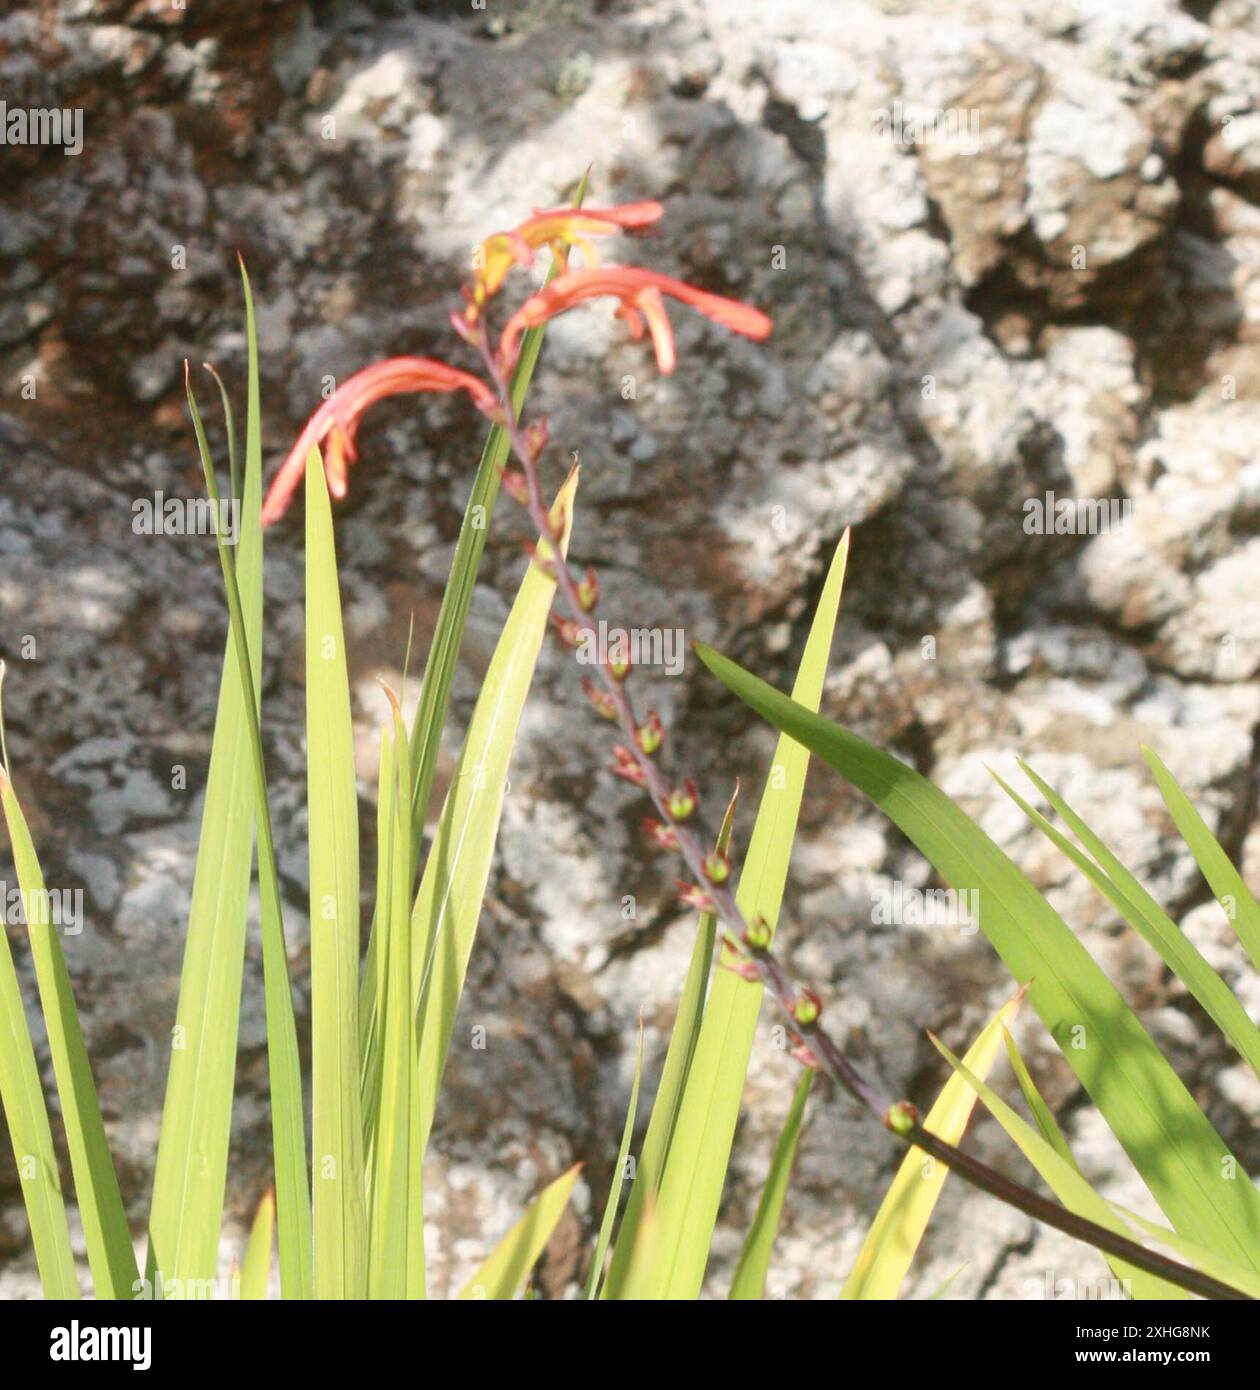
107 1236
1223 878
186 1210
22 1098
890 1245
340 1217
505 1268
619 1174
448 904
1169 1139
691 1187
749 1283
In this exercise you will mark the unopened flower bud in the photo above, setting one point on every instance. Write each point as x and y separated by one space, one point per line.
515 486
807 1007
901 1117
692 895
682 801
569 632
603 702
717 867
588 590
648 735
537 437
463 324
627 767
618 667
757 934
663 836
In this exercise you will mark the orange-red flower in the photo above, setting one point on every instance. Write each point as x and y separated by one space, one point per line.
640 292
334 424
559 228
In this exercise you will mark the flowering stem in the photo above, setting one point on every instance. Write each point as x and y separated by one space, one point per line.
754 948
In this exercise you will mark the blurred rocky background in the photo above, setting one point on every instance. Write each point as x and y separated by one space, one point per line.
1060 293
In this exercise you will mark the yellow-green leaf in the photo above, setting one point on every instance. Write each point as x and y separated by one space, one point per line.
1225 881
288 1126
22 1098
695 1172
682 1047
618 1177
396 1213
256 1270
505 1269
108 1239
337 1171
749 1283
903 1216
1171 1141
1064 1179
191 1169
448 905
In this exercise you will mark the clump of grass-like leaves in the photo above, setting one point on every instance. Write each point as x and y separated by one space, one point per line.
346 1212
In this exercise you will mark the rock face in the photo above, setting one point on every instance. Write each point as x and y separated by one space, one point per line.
1010 250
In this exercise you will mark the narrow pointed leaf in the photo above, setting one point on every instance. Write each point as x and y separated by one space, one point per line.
505 1269
618 1178
191 1169
288 1126
448 905
903 1216
1171 1142
396 1232
1223 878
691 1187
256 1270
1150 921
337 1173
749 1283
108 1239
682 1047
22 1099
1064 1179
1042 1115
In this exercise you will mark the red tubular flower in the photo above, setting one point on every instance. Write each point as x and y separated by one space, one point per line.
640 292
336 421
560 229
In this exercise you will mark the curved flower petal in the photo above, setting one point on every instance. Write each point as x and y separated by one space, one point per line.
559 228
640 293
337 420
